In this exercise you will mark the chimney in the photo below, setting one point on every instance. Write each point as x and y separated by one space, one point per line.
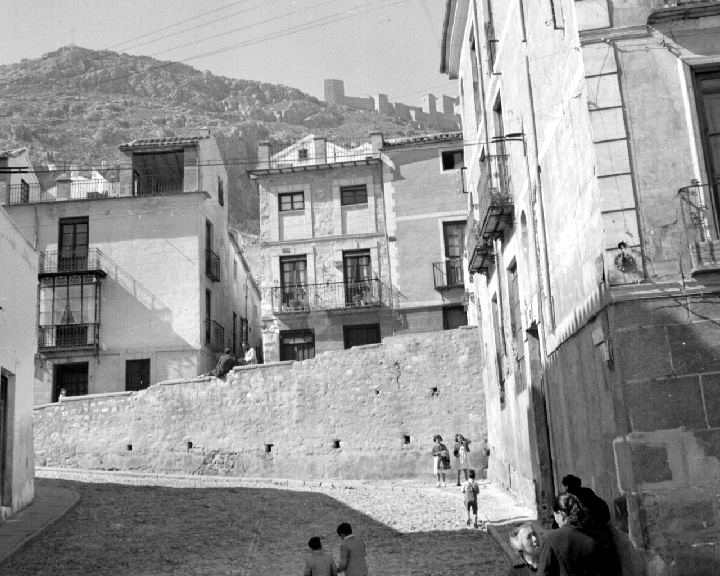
429 104
264 152
319 150
377 141
63 187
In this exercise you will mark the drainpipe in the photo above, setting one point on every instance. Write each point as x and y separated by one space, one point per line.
387 236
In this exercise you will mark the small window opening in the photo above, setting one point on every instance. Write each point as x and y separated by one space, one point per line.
406 439
268 448
336 443
434 391
129 447
189 445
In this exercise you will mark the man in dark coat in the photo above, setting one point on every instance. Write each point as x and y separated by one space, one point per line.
597 508
224 365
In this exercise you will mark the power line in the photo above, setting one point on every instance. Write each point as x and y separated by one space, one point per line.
129 40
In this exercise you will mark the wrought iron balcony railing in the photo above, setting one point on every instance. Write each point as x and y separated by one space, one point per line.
495 204
153 186
71 261
327 296
214 335
448 274
68 337
212 265
483 256
64 190
704 245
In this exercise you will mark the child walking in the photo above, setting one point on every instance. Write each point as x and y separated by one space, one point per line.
319 563
471 489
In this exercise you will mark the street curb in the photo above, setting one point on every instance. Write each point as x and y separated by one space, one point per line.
73 499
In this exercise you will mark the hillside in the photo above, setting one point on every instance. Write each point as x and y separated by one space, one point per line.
76 106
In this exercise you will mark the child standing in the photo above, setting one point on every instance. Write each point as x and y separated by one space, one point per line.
471 489
319 563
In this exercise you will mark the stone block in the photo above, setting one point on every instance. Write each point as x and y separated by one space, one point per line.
619 227
592 14
603 92
695 347
607 124
612 158
650 464
644 353
658 312
665 404
599 59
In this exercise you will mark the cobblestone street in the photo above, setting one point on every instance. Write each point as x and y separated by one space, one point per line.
157 525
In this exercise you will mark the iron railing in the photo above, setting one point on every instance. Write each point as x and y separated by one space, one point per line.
214 335
63 190
68 337
327 296
212 265
495 202
704 246
153 186
71 261
448 274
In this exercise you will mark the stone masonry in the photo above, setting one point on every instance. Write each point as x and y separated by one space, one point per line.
367 412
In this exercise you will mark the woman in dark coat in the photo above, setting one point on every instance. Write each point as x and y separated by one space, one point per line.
572 549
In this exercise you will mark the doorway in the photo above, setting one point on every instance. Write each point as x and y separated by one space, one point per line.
5 442
361 334
73 244
137 374
357 274
454 317
72 377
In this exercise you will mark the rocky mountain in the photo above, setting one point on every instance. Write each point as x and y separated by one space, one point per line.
75 106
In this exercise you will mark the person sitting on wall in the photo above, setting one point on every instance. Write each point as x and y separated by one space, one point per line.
224 365
249 356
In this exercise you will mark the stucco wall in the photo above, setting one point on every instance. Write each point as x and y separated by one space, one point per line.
369 398
19 262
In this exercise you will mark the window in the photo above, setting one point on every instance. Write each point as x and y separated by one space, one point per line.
297 345
499 345
360 335
291 201
708 90
244 329
454 317
137 374
357 273
6 428
73 244
72 377
234 269
68 314
24 192
452 160
516 326
490 37
350 195
474 64
293 280
221 191
454 237
208 316
303 154
234 333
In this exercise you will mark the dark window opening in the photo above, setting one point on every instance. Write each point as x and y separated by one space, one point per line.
303 154
221 191
434 391
291 201
516 326
5 442
72 377
357 272
406 439
137 374
297 345
129 447
189 445
351 195
208 316
24 192
293 281
360 335
452 159
268 448
454 317
336 443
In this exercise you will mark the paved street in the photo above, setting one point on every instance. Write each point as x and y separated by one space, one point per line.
210 526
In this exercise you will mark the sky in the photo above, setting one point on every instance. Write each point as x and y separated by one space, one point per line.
387 46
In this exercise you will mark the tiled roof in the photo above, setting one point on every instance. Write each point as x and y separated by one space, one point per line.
162 142
423 139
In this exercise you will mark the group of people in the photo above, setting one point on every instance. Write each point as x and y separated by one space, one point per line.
442 462
580 544
352 556
227 361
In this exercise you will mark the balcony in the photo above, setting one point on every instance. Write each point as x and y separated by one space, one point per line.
68 337
669 10
152 186
448 274
482 258
704 247
214 335
79 189
327 296
495 205
71 262
212 265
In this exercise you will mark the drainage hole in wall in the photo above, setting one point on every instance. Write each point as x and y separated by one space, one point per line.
129 447
336 443
377 391
434 391
268 448
406 439
189 445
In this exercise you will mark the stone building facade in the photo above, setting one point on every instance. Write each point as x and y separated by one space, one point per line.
426 211
139 278
590 130
19 263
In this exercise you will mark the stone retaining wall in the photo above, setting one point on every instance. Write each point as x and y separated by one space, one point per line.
367 412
